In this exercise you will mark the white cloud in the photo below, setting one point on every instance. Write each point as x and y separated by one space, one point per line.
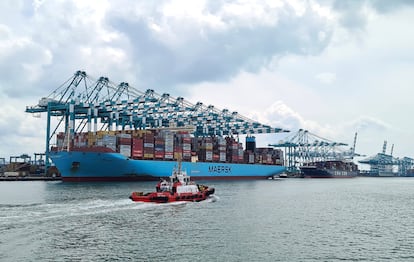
326 78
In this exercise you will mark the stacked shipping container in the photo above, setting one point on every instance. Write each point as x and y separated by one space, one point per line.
159 148
124 144
137 148
148 145
166 145
169 145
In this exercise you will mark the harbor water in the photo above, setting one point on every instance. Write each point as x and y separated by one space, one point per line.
360 219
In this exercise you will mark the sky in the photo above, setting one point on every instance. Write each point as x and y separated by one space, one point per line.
332 67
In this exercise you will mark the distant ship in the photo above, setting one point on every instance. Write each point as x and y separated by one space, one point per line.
330 169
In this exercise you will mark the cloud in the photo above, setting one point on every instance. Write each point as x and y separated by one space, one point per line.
280 114
218 40
22 62
385 6
151 44
371 131
367 123
326 78
354 15
19 132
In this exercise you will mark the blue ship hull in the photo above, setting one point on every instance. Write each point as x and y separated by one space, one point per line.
79 166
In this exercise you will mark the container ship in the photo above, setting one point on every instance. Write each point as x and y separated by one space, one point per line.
144 155
330 169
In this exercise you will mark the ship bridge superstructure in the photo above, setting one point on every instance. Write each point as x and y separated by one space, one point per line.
83 104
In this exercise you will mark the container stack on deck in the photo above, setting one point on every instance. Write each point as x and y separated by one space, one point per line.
166 145
124 144
148 144
169 145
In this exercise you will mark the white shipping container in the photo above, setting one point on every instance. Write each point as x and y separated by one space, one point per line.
11 173
209 155
187 154
124 135
169 139
222 157
169 156
169 144
251 158
59 142
125 150
109 138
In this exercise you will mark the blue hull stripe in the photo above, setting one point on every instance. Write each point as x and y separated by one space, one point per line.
113 165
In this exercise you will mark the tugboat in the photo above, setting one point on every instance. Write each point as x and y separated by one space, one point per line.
179 188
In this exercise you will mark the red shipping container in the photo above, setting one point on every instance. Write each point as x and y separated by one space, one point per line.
159 155
234 158
124 141
137 147
178 150
216 157
169 155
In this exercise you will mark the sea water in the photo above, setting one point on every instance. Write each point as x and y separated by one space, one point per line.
360 219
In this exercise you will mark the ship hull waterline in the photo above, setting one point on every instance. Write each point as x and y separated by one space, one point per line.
77 166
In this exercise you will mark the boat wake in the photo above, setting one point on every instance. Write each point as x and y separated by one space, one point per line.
12 214
42 212
212 199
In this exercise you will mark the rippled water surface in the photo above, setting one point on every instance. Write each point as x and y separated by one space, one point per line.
361 219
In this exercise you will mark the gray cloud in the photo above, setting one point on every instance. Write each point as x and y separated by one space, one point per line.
199 51
352 13
385 6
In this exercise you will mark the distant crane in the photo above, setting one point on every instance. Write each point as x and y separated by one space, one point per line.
383 164
304 146
384 147
354 145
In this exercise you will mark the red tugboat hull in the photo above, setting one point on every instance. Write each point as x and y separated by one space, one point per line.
179 188
168 197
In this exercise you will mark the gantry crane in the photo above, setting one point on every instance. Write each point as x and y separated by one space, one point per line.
304 147
383 164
